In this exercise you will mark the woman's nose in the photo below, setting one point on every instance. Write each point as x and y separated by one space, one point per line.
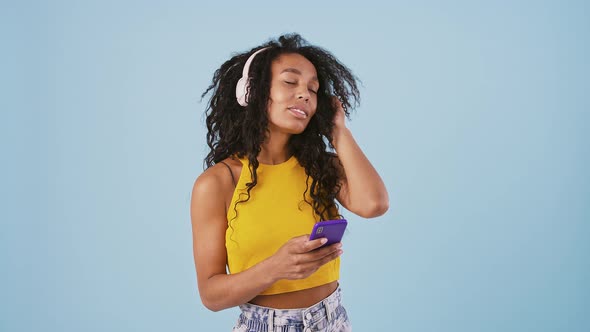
303 93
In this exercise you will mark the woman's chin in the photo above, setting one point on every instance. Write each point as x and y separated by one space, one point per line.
294 129
287 126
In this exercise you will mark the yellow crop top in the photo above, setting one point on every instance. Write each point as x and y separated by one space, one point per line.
275 213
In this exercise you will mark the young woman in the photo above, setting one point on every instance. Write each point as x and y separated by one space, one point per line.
274 112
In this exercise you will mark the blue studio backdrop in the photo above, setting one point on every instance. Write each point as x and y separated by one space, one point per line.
475 113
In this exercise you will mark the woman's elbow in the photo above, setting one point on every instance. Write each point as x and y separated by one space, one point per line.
214 308
211 304
374 209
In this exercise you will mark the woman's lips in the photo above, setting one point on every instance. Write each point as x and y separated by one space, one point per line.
298 113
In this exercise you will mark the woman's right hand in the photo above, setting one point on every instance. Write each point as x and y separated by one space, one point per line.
299 257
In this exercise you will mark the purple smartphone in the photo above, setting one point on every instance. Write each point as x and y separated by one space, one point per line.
330 229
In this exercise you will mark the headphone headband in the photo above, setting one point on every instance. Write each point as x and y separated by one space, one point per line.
243 84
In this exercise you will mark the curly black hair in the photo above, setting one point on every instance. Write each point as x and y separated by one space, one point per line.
236 130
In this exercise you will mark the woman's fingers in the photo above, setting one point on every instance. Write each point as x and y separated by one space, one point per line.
300 257
310 267
302 244
325 251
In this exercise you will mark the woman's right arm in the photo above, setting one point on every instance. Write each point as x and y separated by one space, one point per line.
296 259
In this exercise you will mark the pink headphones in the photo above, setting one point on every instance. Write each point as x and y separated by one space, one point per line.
244 83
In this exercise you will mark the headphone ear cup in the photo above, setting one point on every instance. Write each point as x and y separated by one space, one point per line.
242 90
244 82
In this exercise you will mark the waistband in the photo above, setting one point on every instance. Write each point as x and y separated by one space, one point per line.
269 317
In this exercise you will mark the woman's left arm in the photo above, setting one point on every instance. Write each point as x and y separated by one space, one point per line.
361 189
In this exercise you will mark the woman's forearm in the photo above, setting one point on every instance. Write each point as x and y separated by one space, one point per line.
367 193
224 291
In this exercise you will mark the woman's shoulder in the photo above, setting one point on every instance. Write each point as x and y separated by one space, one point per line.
219 178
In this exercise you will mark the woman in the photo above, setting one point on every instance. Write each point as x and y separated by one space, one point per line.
272 115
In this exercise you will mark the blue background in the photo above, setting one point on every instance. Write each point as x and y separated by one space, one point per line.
476 114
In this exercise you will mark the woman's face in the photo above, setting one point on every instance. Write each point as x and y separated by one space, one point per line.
293 93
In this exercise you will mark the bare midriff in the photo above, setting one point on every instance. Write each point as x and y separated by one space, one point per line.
298 299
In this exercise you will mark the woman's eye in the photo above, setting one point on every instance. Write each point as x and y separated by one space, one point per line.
295 83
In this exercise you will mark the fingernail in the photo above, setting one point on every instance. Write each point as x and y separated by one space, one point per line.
324 240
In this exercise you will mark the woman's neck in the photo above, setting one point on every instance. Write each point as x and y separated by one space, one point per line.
275 149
